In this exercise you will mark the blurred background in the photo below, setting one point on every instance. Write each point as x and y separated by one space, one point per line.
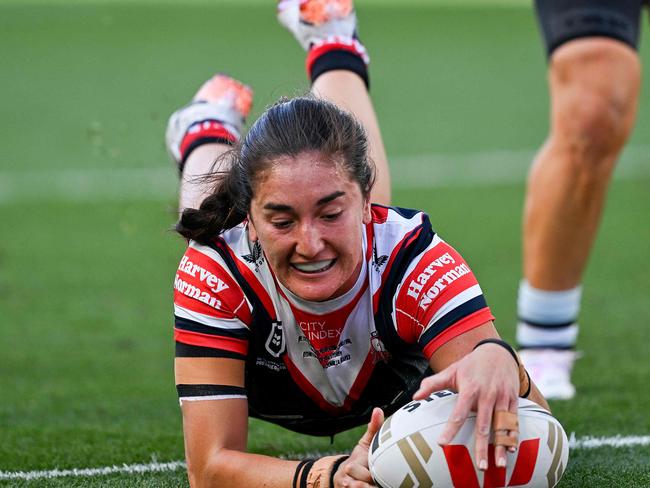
88 198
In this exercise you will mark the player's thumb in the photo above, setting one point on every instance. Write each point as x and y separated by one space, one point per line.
376 421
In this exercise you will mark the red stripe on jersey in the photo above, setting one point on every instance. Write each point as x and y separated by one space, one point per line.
379 214
215 342
250 279
472 321
440 276
202 302
310 390
361 381
203 285
369 241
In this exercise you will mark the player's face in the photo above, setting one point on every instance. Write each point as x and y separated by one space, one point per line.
308 215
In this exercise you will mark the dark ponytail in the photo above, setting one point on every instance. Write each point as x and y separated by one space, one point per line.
288 128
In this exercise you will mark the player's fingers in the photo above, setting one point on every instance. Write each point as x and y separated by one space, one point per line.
376 421
506 430
514 408
500 458
457 417
436 382
482 430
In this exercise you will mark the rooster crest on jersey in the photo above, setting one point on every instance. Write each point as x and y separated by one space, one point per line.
405 451
378 261
256 256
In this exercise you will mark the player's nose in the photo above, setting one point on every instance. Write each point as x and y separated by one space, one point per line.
309 241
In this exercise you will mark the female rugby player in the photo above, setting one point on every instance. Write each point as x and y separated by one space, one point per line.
304 299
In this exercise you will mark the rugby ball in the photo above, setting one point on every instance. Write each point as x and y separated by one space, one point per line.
405 451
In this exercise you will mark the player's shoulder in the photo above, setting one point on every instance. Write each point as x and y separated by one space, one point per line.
397 235
205 283
406 217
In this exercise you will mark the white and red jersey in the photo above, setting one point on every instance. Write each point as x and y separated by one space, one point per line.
320 367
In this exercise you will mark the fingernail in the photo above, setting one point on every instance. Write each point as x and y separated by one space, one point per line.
501 462
482 465
443 440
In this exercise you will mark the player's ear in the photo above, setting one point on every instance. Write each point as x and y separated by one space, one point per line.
252 233
367 214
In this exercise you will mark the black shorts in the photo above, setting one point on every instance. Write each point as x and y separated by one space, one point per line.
563 20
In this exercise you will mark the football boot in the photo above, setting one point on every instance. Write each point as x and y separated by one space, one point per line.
318 24
550 370
217 113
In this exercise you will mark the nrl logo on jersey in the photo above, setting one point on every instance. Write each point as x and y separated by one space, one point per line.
256 257
378 261
276 343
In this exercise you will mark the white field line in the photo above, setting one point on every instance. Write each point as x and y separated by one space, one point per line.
154 466
160 183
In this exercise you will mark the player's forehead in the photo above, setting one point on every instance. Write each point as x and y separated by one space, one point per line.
305 180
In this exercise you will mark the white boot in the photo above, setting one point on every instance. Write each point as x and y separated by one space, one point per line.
550 370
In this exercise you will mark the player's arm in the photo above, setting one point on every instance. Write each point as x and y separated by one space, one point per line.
215 425
211 329
442 307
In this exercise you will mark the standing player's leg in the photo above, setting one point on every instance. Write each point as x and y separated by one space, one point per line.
337 65
199 133
594 78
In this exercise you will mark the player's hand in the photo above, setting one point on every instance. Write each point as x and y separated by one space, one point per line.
354 472
487 381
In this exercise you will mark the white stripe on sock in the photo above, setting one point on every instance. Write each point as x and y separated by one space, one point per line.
528 336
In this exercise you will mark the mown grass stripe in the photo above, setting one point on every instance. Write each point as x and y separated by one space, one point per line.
589 442
151 467
586 442
432 170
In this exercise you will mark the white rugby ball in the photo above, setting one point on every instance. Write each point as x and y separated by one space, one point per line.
405 452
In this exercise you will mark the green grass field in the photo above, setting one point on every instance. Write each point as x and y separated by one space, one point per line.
87 198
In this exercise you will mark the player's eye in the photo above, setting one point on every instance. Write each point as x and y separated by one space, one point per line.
281 224
332 216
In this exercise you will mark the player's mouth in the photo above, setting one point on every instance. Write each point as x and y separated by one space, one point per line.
315 266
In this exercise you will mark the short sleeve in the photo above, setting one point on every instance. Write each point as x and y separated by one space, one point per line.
439 298
210 309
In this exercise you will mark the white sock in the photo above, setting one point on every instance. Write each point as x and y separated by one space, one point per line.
547 318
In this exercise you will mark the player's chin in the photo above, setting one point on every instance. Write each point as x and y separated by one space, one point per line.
316 287
313 292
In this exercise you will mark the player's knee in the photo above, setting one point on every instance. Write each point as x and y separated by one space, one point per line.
595 85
